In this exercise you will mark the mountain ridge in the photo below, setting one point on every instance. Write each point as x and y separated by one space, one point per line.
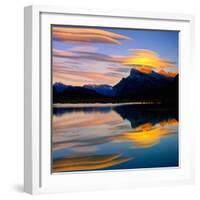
136 86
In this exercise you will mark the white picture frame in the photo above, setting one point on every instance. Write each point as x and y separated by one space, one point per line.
37 137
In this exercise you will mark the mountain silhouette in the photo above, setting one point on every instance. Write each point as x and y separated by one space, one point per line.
143 86
102 89
138 86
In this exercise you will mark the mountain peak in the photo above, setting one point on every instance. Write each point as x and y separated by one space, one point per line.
145 72
135 72
60 87
58 83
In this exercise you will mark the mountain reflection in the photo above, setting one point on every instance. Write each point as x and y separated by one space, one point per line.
142 114
105 137
135 114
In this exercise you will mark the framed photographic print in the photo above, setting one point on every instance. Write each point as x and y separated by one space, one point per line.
106 99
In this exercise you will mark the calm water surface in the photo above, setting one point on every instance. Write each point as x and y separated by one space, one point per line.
114 137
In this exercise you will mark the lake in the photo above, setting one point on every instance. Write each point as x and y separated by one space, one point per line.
111 137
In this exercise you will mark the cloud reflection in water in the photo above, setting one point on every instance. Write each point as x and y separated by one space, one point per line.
99 138
91 162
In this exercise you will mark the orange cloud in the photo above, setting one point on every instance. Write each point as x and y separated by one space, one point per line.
146 58
86 35
84 65
84 48
84 53
61 53
82 77
62 76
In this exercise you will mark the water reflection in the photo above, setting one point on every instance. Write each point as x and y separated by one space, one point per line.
145 138
99 138
91 162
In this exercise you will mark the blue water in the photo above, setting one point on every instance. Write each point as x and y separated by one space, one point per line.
115 137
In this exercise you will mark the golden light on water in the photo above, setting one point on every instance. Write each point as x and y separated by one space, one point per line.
144 127
71 163
172 122
146 137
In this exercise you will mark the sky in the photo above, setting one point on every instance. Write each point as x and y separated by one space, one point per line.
91 55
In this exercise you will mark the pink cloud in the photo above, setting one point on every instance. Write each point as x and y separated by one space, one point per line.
86 35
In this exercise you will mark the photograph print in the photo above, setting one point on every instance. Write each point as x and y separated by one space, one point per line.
114 98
